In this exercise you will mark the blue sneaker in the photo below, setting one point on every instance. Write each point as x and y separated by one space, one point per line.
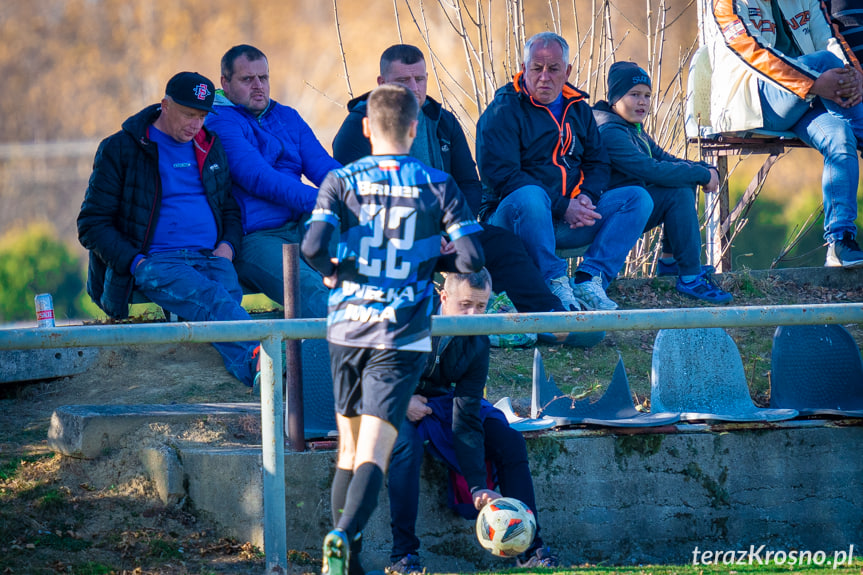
704 288
664 269
337 552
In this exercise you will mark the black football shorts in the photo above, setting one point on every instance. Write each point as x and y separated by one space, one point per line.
378 382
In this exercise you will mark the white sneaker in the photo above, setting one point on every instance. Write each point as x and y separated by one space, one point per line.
561 288
591 295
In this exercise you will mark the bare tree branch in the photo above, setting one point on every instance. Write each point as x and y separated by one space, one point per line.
398 22
342 49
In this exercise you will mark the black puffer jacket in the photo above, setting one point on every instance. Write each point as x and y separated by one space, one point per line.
121 206
459 365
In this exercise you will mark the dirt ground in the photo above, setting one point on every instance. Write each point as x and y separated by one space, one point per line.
65 515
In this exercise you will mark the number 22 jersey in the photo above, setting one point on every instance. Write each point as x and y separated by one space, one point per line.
390 212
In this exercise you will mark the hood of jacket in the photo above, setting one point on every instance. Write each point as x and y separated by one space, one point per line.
138 125
604 114
222 100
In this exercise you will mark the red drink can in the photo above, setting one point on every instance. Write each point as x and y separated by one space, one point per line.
44 310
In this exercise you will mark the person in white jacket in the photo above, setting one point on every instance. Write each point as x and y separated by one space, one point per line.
780 66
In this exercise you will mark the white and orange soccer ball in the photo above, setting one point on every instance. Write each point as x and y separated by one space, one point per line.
505 527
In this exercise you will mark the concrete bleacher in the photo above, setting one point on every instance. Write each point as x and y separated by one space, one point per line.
612 496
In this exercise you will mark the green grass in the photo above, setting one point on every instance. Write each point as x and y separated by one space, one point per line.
61 543
9 466
92 568
164 549
51 500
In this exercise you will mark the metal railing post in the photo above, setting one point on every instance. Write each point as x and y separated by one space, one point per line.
294 422
273 456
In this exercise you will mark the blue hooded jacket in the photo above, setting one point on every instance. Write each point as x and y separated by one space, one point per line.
268 155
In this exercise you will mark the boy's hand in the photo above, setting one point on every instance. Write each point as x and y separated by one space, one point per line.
446 247
417 408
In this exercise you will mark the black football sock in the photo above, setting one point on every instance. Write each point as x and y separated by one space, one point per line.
339 492
362 498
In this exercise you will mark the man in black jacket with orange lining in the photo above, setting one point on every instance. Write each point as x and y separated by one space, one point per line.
545 175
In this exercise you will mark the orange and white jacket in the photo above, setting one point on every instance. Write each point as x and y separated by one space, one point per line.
742 52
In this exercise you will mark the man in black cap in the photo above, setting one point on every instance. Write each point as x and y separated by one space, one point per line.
158 217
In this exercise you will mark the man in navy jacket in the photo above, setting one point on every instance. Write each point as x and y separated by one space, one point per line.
545 176
269 148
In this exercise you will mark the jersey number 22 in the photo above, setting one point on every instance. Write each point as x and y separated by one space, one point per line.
396 217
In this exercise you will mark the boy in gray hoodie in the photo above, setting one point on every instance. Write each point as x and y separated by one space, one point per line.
637 160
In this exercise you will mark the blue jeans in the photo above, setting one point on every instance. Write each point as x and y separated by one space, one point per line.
675 209
830 129
527 213
259 266
200 287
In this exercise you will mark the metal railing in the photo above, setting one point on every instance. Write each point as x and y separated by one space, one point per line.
271 333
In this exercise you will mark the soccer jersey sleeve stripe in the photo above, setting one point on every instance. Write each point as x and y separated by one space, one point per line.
463 228
325 216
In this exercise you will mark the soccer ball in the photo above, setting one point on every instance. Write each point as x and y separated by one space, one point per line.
505 527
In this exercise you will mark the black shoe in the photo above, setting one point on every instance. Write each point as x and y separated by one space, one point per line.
355 567
844 253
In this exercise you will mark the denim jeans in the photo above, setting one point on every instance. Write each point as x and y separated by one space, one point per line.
527 213
200 287
259 266
675 209
830 129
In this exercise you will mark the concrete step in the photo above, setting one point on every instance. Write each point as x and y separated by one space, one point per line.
648 496
33 364
89 431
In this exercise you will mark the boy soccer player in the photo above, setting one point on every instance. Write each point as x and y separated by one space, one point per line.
390 210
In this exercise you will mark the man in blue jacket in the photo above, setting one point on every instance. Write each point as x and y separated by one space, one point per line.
158 217
269 148
545 174
441 143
